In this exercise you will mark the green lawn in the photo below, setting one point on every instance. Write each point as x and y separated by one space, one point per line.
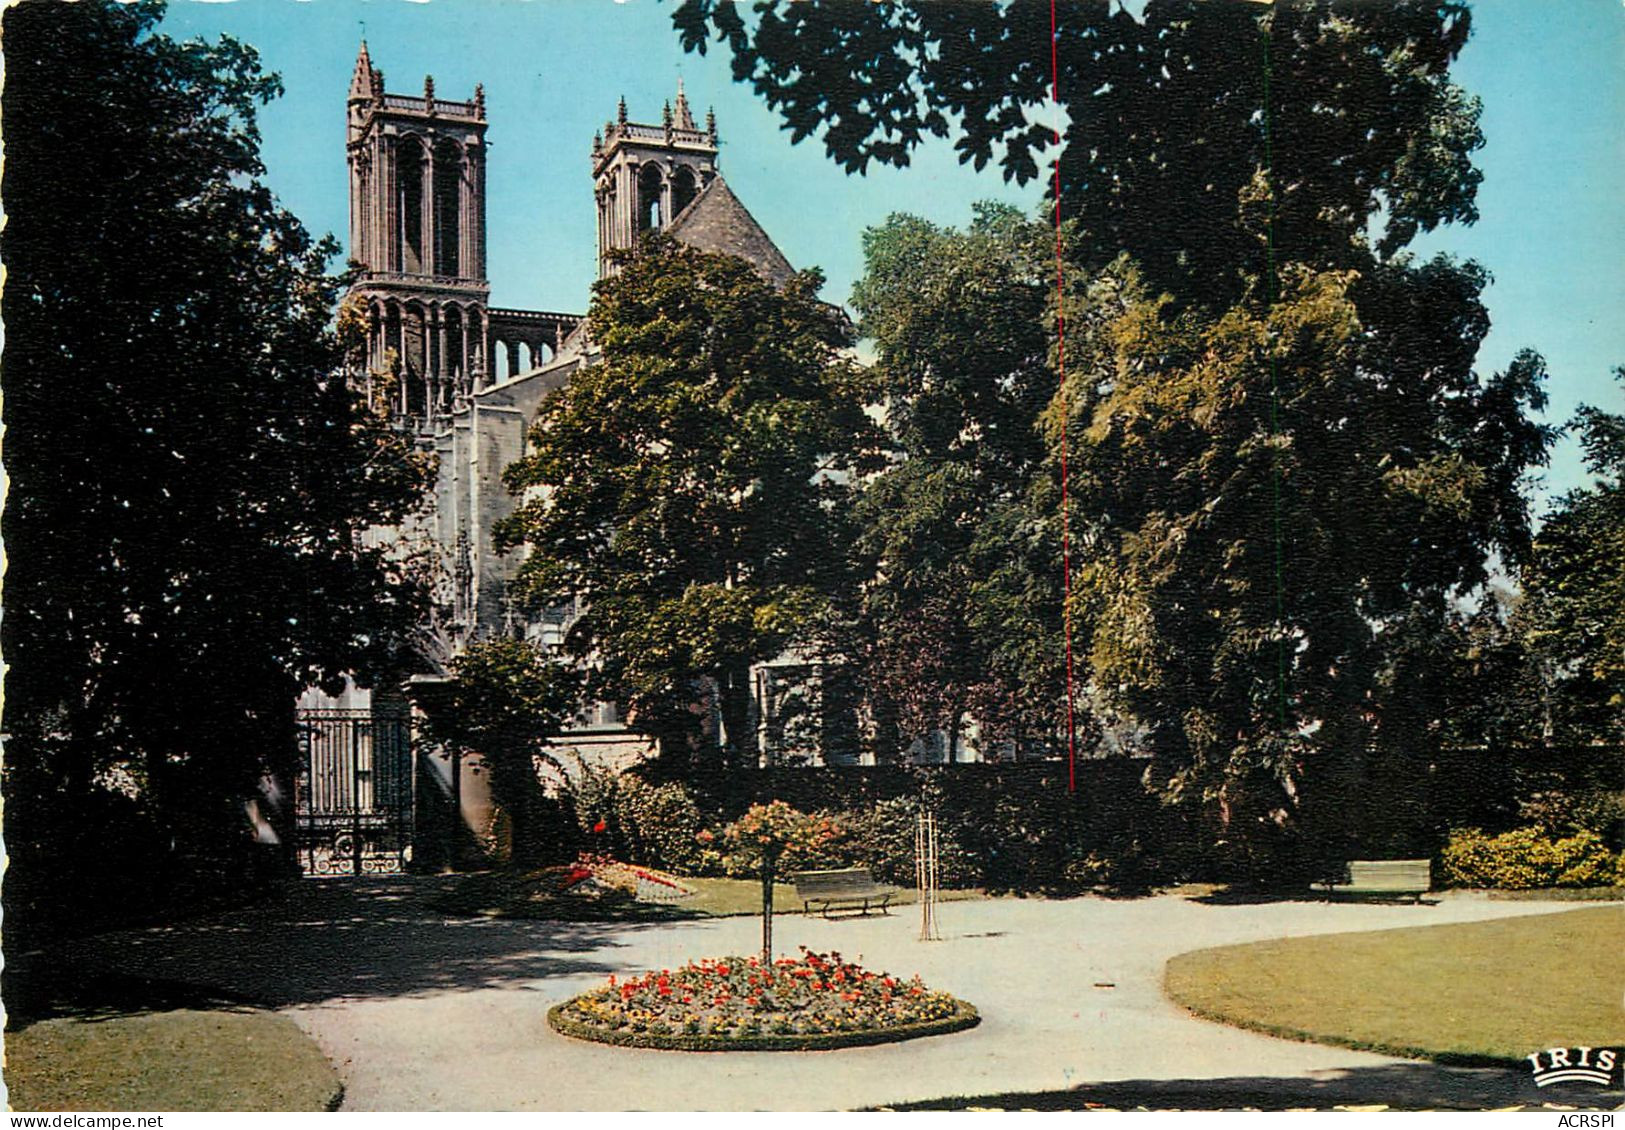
181 1060
509 895
1474 992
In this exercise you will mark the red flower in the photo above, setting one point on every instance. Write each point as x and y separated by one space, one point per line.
600 826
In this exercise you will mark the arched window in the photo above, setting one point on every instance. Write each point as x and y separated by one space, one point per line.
448 190
497 364
409 184
650 184
456 363
683 190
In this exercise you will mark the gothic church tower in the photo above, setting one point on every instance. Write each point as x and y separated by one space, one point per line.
417 227
644 176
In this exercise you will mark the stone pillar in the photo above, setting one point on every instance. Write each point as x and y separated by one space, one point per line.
356 234
464 223
463 380
442 368
431 341
476 189
388 204
404 369
513 359
629 206
426 212
375 343
488 377
621 208
598 197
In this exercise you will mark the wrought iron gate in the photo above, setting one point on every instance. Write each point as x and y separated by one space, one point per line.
353 808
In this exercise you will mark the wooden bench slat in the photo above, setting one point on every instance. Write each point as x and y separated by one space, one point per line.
848 888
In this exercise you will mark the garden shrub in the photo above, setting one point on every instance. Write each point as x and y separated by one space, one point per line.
591 794
656 824
1595 810
1121 866
884 843
1526 858
661 825
1022 840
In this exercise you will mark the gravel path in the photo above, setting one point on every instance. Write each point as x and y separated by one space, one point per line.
423 1012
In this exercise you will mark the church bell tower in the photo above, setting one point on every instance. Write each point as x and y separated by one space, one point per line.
645 175
417 229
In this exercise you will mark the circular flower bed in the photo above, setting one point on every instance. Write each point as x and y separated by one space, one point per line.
816 1001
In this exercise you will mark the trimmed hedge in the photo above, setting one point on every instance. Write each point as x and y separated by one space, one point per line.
965 1016
1003 827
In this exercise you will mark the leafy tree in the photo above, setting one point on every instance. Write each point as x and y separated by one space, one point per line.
1573 616
190 471
689 489
1171 117
962 369
1260 170
1280 505
505 701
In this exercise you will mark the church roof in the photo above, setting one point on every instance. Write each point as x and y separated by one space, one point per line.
716 221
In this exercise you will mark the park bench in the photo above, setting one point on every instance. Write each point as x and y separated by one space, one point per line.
1383 877
847 889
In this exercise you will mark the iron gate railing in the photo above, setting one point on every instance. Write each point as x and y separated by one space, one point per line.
353 803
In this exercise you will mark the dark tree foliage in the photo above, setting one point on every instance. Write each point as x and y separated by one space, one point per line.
1288 473
190 473
691 489
962 367
1278 512
1573 616
1169 118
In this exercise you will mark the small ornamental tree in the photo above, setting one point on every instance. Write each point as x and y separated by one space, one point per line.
771 834
505 701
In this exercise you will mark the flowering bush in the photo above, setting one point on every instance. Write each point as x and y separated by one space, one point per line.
1527 858
814 1000
792 840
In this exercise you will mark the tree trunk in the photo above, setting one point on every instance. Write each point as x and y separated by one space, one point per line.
769 866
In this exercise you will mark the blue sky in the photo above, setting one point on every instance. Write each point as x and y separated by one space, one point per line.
1550 75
